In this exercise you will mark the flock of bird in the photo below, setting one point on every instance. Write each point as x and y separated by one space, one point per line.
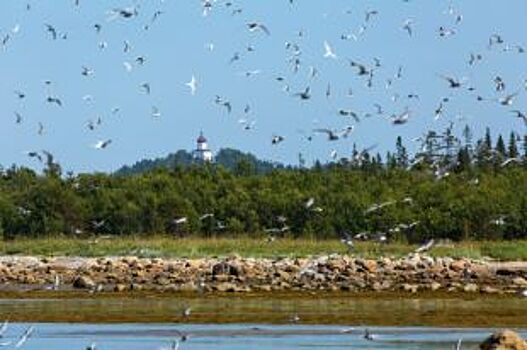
299 56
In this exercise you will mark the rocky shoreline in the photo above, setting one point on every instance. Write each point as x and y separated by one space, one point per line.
412 274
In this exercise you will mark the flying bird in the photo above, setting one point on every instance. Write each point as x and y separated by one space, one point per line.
146 88
55 100
102 144
328 51
51 30
452 82
521 115
304 95
192 84
255 26
425 247
277 139
408 26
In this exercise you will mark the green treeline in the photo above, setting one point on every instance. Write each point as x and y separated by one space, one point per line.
462 191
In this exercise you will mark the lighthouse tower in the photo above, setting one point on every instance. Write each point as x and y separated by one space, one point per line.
202 152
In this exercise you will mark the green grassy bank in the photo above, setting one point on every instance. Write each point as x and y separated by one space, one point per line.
167 247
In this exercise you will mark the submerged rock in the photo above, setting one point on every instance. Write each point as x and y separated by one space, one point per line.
504 340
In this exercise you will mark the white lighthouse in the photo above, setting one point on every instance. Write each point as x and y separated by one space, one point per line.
202 152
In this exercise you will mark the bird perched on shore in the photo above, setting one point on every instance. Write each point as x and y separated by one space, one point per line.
345 238
294 318
186 312
368 335
183 336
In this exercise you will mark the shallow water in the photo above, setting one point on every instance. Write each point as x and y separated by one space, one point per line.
59 336
260 322
323 309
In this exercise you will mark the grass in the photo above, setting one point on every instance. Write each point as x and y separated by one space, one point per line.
165 247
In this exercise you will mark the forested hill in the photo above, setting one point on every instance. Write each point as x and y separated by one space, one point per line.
231 159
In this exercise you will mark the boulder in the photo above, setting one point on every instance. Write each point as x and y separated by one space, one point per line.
227 287
470 288
410 288
83 282
458 265
520 282
504 340
224 268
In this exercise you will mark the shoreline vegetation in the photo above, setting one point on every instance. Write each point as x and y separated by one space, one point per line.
474 191
164 246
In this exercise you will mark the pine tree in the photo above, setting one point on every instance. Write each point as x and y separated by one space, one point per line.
467 135
500 146
401 154
463 159
487 140
390 161
513 149
483 150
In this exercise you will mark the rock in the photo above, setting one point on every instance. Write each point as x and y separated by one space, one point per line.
368 265
490 290
411 288
226 287
435 286
504 340
264 288
458 265
188 287
470 288
224 268
83 282
520 282
119 288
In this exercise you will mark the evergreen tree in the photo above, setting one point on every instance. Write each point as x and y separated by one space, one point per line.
401 153
488 140
463 159
513 149
500 146
467 136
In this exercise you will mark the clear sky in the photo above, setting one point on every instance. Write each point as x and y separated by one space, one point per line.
177 46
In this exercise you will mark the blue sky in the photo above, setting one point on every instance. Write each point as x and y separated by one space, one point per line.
175 48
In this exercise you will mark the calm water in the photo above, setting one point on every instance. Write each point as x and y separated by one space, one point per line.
60 336
230 323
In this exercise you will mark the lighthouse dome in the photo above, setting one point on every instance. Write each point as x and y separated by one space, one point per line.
201 139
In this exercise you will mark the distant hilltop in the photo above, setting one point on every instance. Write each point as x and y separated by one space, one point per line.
229 158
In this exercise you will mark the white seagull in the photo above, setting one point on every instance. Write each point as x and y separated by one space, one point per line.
192 84
102 144
329 53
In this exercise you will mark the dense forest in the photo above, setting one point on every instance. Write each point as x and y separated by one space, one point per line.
452 188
